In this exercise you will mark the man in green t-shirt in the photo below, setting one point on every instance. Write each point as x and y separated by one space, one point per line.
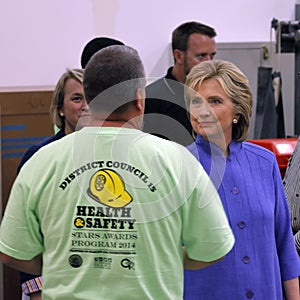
103 212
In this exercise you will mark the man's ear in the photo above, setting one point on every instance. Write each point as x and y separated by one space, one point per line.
140 99
178 56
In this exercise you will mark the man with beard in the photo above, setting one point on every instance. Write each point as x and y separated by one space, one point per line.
165 113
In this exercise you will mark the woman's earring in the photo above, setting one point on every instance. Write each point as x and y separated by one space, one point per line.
234 121
61 114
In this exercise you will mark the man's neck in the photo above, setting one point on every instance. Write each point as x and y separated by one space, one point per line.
178 74
111 123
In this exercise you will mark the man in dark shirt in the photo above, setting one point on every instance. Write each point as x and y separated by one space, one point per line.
165 112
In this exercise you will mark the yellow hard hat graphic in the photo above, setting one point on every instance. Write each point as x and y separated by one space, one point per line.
107 187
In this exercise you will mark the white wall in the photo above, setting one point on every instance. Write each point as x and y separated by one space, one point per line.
39 39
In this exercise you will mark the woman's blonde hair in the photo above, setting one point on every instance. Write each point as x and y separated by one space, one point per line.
234 83
57 101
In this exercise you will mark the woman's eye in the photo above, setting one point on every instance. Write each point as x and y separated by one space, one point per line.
195 101
77 99
216 101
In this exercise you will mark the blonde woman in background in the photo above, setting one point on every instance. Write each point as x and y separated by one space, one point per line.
68 104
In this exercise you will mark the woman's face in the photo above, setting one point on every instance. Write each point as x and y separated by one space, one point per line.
74 104
212 113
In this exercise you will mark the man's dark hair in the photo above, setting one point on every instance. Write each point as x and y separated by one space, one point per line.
180 35
95 45
112 77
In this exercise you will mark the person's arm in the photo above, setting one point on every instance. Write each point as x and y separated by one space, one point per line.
291 289
33 266
191 264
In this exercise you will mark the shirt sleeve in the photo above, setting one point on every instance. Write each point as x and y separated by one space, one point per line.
20 234
206 231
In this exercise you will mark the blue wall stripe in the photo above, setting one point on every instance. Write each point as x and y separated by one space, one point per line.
13 155
13 127
23 139
14 144
14 147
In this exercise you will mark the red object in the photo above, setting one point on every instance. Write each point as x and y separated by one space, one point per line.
283 148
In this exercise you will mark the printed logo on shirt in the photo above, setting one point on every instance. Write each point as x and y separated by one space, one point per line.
107 187
79 222
128 263
109 227
106 227
104 173
75 261
102 262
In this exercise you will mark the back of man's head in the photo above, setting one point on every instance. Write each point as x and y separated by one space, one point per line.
95 45
181 34
112 77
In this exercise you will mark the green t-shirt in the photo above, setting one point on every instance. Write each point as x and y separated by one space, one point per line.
109 209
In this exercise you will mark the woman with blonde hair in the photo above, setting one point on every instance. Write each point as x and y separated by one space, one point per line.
264 258
68 106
